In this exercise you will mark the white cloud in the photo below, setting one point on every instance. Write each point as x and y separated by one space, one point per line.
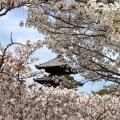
10 23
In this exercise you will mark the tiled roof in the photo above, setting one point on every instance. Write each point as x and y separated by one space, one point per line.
57 62
54 62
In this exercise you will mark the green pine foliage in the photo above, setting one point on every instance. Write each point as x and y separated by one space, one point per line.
72 83
113 89
103 92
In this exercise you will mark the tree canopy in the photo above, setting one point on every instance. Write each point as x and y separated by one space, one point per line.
86 32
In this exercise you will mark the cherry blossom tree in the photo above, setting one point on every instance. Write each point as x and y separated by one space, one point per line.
86 32
59 104
14 71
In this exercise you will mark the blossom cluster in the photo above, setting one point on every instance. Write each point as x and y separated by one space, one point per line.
7 5
44 103
63 82
16 65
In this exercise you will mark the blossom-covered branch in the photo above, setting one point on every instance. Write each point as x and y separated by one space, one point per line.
8 5
86 33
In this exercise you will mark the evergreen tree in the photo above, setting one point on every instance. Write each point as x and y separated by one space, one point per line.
113 89
72 83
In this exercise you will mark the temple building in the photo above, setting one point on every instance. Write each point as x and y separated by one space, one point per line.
54 67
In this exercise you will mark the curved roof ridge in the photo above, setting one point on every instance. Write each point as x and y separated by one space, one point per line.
54 62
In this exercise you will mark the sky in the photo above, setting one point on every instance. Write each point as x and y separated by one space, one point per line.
10 23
